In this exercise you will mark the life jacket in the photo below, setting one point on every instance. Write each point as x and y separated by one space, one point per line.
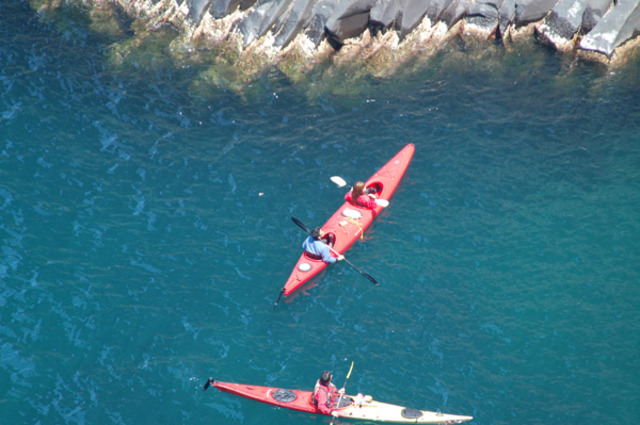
356 202
324 388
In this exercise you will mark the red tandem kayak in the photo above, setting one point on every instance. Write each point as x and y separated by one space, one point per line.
350 221
352 407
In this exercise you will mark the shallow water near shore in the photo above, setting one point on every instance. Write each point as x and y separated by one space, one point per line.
145 234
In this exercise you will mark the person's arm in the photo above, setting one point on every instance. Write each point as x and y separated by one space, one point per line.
305 244
367 202
347 197
326 255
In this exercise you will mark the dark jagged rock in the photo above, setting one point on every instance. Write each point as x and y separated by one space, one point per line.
455 12
617 27
297 19
222 8
593 13
402 16
384 15
262 19
350 19
506 15
530 11
435 8
250 26
483 16
320 14
571 17
197 8
414 11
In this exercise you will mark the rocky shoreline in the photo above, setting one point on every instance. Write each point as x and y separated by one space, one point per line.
243 38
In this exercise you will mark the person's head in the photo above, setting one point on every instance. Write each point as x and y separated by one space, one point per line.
358 189
325 378
317 233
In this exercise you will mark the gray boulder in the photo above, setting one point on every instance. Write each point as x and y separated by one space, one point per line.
298 18
529 11
456 10
350 19
483 16
570 16
384 15
221 8
618 26
435 8
506 15
264 16
401 15
593 13
197 9
315 29
414 11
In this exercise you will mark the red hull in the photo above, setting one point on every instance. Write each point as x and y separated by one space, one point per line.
291 399
349 222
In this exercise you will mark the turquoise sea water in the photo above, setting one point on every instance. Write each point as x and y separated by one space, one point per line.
145 233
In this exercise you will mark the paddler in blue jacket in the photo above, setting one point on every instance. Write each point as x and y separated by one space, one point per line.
316 246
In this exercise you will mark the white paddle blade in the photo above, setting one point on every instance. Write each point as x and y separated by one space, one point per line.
382 202
339 181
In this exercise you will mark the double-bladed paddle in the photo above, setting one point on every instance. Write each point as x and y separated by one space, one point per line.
303 227
340 182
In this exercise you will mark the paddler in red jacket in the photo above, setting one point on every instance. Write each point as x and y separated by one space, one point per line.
362 196
324 394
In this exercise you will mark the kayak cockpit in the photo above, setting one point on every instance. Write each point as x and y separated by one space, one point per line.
409 413
374 188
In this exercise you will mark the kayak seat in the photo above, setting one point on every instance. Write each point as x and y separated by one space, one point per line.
284 396
410 413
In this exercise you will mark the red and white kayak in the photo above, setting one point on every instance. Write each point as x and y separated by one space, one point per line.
352 407
350 221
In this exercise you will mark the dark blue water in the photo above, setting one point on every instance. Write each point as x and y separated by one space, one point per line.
145 233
